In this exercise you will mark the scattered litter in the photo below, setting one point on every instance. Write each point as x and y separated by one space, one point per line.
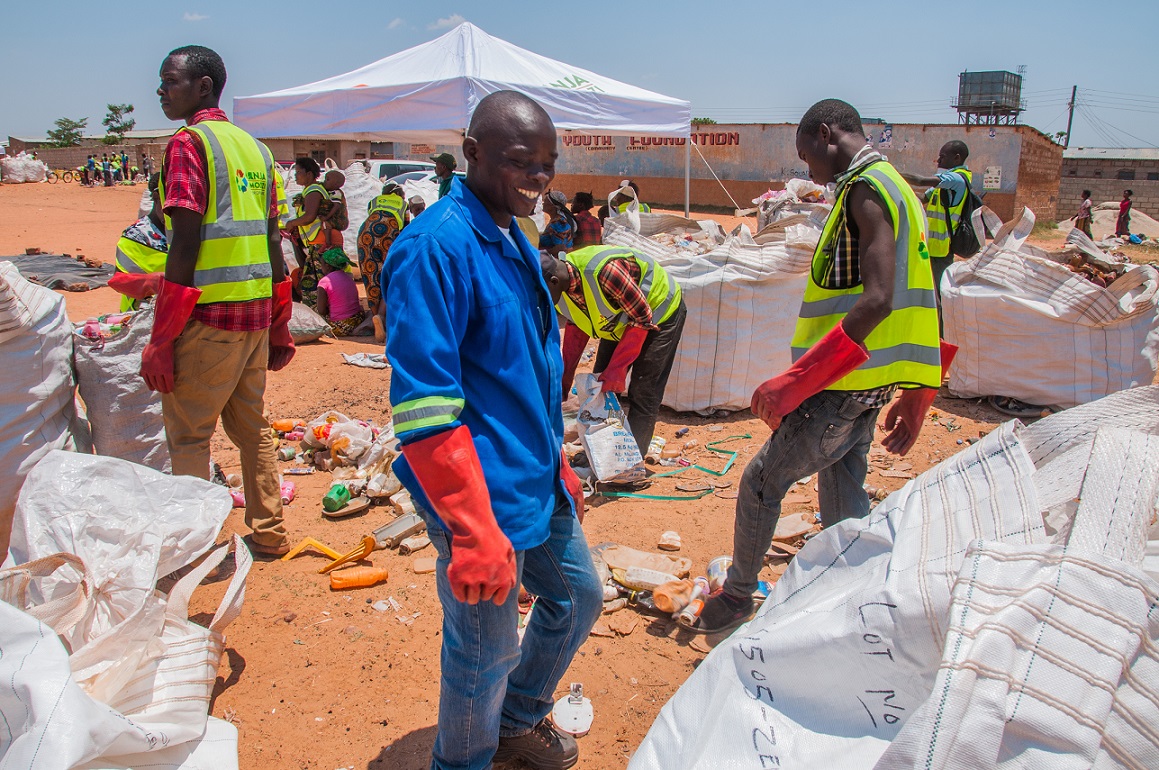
573 713
714 428
413 543
897 474
601 629
304 471
310 542
624 623
615 605
367 360
670 540
357 577
380 606
681 432
423 565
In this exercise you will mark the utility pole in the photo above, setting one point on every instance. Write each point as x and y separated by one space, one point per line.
1070 119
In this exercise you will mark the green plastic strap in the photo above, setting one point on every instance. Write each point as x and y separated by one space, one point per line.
732 455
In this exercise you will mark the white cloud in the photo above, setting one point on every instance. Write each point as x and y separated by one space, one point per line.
453 20
395 23
194 16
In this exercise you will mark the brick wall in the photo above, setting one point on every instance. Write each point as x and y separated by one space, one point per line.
1039 167
1100 176
70 157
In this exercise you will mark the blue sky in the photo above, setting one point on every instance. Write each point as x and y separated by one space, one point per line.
736 61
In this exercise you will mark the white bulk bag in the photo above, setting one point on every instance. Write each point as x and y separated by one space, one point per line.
743 297
871 627
124 413
37 402
1029 328
140 675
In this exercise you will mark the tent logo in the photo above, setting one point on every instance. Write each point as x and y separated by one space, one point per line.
576 83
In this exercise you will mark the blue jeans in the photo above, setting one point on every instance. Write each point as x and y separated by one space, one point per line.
491 685
829 434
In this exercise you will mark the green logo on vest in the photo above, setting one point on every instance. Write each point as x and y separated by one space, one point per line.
250 180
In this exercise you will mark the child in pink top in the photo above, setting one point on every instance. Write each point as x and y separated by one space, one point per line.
338 295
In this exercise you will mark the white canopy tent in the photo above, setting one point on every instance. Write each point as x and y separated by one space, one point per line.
427 94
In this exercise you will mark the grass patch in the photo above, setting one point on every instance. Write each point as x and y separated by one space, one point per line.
1044 227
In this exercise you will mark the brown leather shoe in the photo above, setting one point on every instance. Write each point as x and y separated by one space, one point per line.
267 550
544 748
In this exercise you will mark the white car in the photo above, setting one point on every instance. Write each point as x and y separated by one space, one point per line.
385 169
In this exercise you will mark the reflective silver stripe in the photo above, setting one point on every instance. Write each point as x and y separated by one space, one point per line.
126 263
941 235
232 274
906 351
659 311
936 214
843 303
221 175
426 412
591 272
232 229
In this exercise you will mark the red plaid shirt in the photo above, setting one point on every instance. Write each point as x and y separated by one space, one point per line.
588 231
185 174
620 281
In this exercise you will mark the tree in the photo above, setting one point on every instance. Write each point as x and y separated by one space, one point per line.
703 122
1059 136
67 132
118 123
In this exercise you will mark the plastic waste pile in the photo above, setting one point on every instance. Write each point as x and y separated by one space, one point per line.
22 168
800 197
1031 326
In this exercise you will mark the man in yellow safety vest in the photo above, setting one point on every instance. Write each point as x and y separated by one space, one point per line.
867 326
223 304
946 194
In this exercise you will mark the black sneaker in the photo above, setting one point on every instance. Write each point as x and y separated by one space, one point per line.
723 613
544 748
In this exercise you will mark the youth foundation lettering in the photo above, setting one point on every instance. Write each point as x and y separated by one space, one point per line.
702 139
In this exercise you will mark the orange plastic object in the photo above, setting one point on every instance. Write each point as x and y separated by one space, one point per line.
357 577
284 426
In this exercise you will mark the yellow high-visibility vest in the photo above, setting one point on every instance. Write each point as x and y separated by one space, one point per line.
133 257
391 204
233 263
312 232
598 318
944 219
903 349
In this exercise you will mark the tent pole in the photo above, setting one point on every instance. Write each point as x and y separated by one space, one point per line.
687 172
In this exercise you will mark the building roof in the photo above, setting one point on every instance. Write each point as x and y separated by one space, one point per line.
1110 153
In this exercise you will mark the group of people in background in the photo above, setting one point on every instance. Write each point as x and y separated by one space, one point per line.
113 169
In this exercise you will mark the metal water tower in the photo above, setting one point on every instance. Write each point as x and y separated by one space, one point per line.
989 98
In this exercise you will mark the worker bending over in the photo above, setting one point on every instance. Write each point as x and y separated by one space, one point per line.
635 308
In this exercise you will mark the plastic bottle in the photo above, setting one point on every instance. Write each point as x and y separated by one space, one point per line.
357 577
289 491
283 426
337 498
673 597
691 611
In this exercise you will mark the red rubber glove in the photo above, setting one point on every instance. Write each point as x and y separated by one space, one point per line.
615 376
572 483
482 559
281 342
574 342
136 285
171 312
907 413
831 358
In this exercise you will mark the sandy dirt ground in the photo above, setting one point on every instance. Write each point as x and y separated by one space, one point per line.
318 679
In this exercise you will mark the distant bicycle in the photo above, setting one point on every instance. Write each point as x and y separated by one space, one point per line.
56 176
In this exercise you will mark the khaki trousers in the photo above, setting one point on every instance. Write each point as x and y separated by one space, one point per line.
220 373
